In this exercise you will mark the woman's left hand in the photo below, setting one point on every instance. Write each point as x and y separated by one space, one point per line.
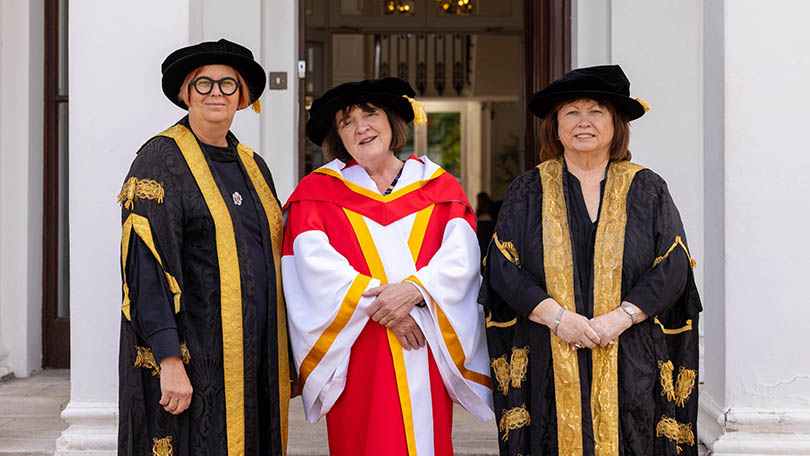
394 302
611 325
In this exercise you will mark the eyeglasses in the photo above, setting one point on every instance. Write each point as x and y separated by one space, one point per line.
204 85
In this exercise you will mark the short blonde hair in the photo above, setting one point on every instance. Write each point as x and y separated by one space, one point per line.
185 87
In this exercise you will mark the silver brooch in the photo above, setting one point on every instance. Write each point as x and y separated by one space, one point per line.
237 198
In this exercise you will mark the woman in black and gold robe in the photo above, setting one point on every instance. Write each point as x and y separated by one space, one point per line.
588 283
203 360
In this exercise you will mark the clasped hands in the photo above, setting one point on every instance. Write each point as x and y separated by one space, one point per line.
392 308
577 329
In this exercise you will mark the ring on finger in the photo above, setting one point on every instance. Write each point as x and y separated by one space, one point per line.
577 346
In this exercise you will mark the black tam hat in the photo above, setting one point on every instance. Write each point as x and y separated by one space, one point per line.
223 52
606 82
392 93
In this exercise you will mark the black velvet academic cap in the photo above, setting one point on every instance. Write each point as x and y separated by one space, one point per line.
601 82
223 52
387 92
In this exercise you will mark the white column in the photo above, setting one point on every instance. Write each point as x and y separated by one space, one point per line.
279 121
116 104
21 133
757 396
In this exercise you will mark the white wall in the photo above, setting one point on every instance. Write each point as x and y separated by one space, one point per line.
279 121
21 133
766 165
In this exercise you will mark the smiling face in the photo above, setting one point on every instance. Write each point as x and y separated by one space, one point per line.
215 107
585 126
366 135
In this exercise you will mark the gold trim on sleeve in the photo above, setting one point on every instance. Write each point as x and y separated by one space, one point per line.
135 188
162 447
140 225
559 273
499 324
507 249
451 340
144 358
274 219
514 418
230 286
665 374
325 340
684 386
676 432
686 327
501 369
607 288
678 241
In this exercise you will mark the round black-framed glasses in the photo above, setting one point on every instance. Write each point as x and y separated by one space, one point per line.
204 85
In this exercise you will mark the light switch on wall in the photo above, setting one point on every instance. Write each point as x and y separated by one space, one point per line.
277 80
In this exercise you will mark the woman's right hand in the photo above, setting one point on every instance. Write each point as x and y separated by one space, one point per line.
573 327
409 334
175 388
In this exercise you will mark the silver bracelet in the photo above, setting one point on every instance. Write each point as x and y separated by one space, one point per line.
557 320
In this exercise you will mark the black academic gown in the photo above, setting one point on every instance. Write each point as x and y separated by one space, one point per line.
657 359
197 251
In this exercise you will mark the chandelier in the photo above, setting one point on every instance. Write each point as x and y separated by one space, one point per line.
398 6
457 7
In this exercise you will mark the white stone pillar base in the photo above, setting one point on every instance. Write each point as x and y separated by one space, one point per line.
749 431
93 430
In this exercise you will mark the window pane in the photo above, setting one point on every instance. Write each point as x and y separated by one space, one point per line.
64 249
444 141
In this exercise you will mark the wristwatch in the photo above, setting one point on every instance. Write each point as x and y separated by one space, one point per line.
631 311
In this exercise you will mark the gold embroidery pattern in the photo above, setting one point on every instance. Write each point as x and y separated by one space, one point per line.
518 365
162 447
559 271
678 241
608 257
507 249
667 388
135 188
499 324
675 431
501 369
145 359
514 418
685 385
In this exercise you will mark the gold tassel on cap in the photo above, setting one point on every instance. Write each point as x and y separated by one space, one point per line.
643 104
419 116
257 106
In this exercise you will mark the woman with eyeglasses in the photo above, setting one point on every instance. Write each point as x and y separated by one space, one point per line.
203 360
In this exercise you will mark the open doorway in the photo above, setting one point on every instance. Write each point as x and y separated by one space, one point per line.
471 63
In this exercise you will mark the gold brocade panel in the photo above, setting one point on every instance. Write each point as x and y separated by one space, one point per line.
558 264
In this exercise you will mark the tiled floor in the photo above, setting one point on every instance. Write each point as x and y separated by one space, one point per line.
29 412
30 423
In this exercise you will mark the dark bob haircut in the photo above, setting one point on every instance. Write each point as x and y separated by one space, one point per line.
333 147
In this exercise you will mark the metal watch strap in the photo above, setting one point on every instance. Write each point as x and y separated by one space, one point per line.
557 320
